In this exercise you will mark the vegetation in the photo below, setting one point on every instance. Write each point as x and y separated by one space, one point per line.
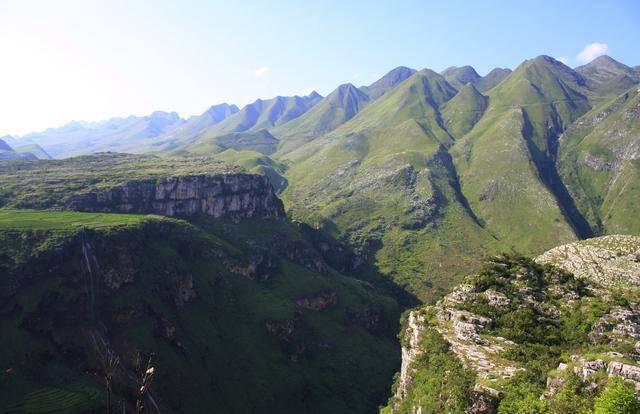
218 303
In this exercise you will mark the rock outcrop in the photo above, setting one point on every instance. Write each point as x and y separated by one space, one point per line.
608 260
226 195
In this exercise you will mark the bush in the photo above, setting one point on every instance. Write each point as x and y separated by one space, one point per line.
618 398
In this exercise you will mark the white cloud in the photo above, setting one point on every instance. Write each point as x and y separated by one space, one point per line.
563 59
592 51
260 72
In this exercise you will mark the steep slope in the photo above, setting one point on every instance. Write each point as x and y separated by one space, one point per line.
387 82
464 110
600 162
383 182
518 337
460 76
507 162
4 146
338 107
492 79
117 134
608 76
224 307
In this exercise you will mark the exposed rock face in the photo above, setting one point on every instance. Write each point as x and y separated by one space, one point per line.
410 352
588 368
225 195
319 302
609 260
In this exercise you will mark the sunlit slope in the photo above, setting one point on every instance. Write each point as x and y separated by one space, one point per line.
599 161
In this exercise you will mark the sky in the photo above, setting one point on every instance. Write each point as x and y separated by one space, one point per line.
90 60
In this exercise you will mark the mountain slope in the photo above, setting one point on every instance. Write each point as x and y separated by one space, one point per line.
507 162
384 183
599 159
338 107
223 306
265 114
34 149
608 76
492 78
387 82
460 76
464 110
194 126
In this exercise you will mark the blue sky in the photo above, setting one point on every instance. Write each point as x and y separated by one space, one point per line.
65 60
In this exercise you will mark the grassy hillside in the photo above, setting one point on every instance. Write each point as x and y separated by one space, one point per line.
338 107
507 161
384 183
599 162
237 315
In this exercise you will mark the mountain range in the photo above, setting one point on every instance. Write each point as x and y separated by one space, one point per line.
424 172
260 258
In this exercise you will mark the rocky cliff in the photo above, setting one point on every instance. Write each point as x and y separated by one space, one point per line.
225 195
517 325
124 183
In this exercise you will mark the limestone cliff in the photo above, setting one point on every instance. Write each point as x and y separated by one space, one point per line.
235 195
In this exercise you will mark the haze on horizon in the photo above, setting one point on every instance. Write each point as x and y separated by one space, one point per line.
91 60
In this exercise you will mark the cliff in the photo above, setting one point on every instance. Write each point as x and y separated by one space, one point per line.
525 334
225 195
124 183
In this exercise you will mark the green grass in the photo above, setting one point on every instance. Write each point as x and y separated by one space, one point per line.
12 219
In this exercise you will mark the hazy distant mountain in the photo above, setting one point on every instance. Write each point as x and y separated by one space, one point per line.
116 134
34 149
7 152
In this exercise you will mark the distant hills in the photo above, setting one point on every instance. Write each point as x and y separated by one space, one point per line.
32 151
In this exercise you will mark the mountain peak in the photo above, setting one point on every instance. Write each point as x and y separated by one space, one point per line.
388 81
460 76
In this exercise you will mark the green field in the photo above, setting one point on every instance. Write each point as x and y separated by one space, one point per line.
13 219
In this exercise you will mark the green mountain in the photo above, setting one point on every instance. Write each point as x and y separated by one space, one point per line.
507 162
608 76
491 79
265 114
599 162
387 82
338 107
384 183
464 110
259 141
460 76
